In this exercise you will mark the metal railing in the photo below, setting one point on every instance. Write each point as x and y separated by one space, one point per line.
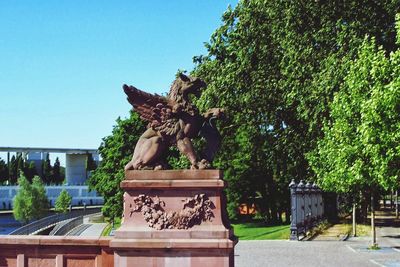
307 208
64 227
50 220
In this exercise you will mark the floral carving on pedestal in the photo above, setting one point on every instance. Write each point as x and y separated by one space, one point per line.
195 210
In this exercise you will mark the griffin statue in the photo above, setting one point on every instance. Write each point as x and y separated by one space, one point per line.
173 121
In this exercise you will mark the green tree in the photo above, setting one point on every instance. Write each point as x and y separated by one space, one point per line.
30 202
360 149
90 163
3 171
62 174
22 203
360 146
20 163
275 66
40 201
116 151
13 170
57 172
63 201
29 170
47 170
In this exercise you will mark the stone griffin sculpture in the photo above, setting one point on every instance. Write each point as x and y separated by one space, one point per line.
173 121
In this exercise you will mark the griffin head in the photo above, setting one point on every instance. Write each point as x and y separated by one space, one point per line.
185 85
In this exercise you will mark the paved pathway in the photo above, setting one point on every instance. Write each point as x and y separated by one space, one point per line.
88 228
95 229
335 233
353 252
388 229
311 253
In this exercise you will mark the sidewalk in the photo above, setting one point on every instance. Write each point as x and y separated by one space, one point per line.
282 253
92 229
334 233
387 230
95 229
353 252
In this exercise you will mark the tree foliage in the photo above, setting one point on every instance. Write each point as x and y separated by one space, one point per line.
18 164
90 163
3 171
22 206
13 170
47 174
29 170
63 202
40 201
57 177
275 66
116 151
30 201
361 148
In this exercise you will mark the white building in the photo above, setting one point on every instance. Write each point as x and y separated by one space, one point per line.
75 160
75 175
80 195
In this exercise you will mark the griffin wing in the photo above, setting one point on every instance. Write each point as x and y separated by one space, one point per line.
152 108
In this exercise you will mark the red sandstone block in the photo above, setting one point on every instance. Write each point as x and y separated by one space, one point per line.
19 240
172 243
173 175
54 240
187 184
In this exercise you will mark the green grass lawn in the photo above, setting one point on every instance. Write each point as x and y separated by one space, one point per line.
257 231
245 231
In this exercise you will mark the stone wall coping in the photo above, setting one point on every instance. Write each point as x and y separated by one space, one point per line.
54 240
200 232
201 183
172 243
173 174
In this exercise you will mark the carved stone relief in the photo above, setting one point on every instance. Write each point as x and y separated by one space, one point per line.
195 210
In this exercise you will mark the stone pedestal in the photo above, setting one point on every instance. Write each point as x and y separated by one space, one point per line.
174 218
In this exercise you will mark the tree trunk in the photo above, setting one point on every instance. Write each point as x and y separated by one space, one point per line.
391 200
384 200
354 220
373 230
364 208
396 203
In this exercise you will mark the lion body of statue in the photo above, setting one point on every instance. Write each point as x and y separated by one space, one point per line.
173 120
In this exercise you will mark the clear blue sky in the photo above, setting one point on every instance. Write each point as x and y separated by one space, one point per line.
62 63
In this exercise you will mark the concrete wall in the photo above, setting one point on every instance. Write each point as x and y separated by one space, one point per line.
75 169
80 195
